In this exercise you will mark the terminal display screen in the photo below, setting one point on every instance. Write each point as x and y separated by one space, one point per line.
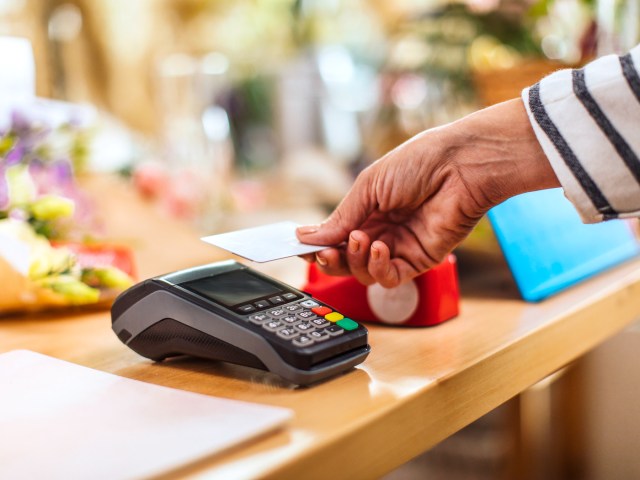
233 288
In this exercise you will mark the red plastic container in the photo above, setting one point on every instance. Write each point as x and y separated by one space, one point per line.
100 254
429 299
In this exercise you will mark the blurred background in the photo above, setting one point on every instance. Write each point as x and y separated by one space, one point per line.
230 114
263 102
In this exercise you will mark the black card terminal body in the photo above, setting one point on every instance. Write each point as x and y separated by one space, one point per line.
230 312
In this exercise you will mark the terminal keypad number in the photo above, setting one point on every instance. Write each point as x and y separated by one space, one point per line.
303 323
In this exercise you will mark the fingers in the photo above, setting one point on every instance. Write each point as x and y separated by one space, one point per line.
357 256
348 216
380 266
353 259
369 263
332 262
308 257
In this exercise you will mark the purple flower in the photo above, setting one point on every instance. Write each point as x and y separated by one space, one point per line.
20 122
19 214
62 170
30 131
16 154
56 177
31 140
4 192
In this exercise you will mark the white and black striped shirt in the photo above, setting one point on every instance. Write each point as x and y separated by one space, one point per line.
588 123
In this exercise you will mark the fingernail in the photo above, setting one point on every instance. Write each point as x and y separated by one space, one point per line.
354 245
321 260
375 253
307 229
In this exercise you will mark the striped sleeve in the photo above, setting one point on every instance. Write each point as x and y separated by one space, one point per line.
588 123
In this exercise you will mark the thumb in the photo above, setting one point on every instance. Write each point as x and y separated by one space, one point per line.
353 210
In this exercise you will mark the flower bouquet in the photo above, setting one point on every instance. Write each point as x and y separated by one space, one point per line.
48 256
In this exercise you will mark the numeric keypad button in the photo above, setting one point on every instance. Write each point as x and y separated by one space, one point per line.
319 335
305 315
273 325
290 319
319 322
259 318
303 341
288 332
304 327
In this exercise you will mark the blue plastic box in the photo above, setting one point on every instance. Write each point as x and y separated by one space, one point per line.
547 246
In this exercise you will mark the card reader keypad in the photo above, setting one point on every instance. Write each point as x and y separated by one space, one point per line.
304 323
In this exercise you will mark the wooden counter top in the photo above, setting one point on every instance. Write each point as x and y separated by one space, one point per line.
417 387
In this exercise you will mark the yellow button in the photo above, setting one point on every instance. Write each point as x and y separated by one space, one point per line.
333 316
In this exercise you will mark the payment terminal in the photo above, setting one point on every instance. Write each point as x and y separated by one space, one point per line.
230 312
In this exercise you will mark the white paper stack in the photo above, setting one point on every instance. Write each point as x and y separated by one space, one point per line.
59 420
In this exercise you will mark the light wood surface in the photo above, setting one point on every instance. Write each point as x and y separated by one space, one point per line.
417 387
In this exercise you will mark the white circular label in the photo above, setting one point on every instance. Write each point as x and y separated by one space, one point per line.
393 305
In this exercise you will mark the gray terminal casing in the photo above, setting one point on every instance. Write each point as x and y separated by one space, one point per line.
160 318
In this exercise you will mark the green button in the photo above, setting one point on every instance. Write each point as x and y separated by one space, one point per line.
347 324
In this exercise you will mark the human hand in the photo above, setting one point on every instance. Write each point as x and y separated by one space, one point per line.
410 208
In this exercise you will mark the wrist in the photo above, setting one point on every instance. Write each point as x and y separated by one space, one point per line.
497 152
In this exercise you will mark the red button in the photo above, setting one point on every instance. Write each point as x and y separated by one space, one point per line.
322 311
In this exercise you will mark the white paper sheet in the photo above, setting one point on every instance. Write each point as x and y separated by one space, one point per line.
59 420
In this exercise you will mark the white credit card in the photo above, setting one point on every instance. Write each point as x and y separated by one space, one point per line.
264 243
